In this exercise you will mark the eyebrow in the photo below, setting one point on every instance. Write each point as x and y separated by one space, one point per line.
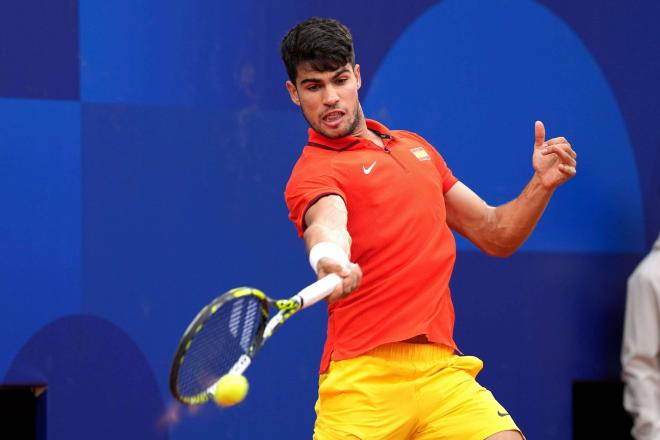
318 80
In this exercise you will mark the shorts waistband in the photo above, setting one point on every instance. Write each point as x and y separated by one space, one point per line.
412 351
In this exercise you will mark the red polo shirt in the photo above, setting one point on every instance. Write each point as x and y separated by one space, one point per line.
397 221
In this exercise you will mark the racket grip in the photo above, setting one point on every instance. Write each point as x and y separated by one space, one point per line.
314 293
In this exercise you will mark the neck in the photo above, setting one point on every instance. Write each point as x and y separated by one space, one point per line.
362 131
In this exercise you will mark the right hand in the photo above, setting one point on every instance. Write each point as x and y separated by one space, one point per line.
350 274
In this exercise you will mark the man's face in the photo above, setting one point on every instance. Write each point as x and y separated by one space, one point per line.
329 100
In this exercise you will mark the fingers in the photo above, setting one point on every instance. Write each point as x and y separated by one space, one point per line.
562 141
567 169
352 279
560 156
351 275
539 134
563 150
336 294
566 154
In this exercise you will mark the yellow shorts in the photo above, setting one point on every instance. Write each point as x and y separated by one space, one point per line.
406 391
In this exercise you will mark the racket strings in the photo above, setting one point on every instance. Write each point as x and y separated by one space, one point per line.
222 339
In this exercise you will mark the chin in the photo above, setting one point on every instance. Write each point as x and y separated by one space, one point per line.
339 132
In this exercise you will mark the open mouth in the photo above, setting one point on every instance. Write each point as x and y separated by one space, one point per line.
333 117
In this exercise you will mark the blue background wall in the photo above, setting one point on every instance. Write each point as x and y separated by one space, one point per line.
144 149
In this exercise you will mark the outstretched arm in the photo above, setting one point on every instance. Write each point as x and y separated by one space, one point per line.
329 244
501 230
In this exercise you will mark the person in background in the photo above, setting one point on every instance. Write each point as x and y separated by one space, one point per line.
640 354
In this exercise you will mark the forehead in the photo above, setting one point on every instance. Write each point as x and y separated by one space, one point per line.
305 71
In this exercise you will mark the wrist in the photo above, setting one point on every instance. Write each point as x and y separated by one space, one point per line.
329 250
540 183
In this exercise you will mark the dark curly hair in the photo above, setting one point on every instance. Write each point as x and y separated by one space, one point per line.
324 43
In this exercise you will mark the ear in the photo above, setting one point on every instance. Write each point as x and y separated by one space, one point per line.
356 71
293 92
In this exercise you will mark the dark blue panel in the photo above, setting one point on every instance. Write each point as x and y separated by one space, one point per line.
622 36
99 384
40 220
539 322
39 49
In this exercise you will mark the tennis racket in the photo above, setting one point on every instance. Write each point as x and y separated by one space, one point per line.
225 336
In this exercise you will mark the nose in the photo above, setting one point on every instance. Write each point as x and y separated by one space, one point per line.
330 98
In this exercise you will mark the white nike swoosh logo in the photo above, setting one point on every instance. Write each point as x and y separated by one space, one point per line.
368 170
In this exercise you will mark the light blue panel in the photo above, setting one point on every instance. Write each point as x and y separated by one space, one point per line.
472 77
40 217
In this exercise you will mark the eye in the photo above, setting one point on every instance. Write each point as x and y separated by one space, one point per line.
313 87
341 80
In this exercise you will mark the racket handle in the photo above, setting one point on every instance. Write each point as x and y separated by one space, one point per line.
314 293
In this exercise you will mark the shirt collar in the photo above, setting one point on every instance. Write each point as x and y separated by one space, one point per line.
316 139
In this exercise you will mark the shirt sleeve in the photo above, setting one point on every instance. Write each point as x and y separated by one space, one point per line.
448 178
641 349
305 187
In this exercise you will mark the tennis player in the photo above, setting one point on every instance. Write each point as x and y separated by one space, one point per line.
377 206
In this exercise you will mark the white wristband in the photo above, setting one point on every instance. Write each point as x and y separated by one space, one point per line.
327 250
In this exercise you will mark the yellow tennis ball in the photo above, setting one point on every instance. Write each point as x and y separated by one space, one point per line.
231 389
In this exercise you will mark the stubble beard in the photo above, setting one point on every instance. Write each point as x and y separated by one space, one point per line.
358 116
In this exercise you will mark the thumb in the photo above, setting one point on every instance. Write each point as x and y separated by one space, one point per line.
539 134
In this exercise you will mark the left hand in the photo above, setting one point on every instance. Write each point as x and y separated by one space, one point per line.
554 160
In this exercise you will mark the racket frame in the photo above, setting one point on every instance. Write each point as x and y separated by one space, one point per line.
285 309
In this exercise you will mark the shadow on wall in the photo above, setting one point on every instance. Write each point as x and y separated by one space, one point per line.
99 383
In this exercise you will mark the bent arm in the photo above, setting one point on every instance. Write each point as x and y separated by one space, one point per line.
500 231
497 231
327 222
